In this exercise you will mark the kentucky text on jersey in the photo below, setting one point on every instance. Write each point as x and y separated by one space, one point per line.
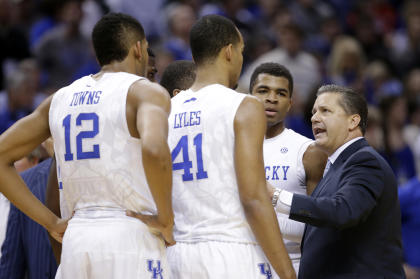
276 172
187 118
85 98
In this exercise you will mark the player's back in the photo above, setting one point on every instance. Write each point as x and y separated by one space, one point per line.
99 163
205 192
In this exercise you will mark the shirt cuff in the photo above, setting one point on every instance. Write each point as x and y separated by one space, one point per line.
286 197
284 202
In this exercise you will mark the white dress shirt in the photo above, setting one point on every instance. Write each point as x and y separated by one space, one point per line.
285 198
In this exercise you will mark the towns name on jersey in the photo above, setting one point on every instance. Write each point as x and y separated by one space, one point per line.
85 98
187 118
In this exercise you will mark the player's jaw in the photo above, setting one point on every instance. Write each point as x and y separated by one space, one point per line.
270 111
273 115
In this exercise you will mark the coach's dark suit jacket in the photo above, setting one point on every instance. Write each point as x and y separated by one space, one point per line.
353 219
26 251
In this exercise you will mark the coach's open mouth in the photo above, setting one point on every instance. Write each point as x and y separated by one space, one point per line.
318 131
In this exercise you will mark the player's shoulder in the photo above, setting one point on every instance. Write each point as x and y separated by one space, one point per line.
145 92
250 109
296 136
147 89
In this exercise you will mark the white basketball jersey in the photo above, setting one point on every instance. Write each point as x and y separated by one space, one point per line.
284 169
99 165
205 191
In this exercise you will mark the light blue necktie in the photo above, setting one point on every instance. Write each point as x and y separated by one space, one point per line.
327 167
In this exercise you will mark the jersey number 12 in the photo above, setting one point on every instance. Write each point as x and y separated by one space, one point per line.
80 136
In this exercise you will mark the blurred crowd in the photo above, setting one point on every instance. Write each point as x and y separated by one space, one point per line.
372 46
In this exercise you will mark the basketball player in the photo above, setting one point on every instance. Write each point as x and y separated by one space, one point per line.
110 142
178 76
151 66
224 221
292 161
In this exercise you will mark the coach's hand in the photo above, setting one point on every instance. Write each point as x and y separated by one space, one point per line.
152 221
57 229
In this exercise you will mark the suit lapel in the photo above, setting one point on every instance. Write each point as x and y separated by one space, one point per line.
324 180
352 148
339 162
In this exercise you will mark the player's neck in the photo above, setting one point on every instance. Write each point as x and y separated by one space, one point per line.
115 67
207 75
274 130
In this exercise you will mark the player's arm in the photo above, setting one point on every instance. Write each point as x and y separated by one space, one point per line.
52 201
153 108
314 161
18 141
249 126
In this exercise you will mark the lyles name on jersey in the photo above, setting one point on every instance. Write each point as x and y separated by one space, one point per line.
186 119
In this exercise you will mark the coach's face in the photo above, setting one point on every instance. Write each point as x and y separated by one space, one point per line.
330 123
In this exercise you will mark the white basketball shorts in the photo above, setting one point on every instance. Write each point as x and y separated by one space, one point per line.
117 247
213 259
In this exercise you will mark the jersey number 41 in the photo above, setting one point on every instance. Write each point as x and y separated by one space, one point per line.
186 164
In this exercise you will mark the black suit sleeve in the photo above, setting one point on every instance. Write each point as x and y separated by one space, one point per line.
12 264
347 203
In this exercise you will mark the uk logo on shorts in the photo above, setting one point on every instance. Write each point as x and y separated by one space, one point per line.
156 270
265 270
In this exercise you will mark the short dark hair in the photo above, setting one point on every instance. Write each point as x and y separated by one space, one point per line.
209 35
351 101
273 69
150 52
179 74
113 35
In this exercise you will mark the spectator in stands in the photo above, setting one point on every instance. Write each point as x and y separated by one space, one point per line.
405 44
180 20
409 195
346 63
396 151
13 42
17 101
64 50
302 65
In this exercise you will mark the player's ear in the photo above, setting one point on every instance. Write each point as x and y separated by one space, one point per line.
228 50
137 50
175 92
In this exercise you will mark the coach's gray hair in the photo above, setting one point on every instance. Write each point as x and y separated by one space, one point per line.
351 101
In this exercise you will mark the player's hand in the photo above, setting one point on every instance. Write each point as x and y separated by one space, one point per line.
152 221
57 230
